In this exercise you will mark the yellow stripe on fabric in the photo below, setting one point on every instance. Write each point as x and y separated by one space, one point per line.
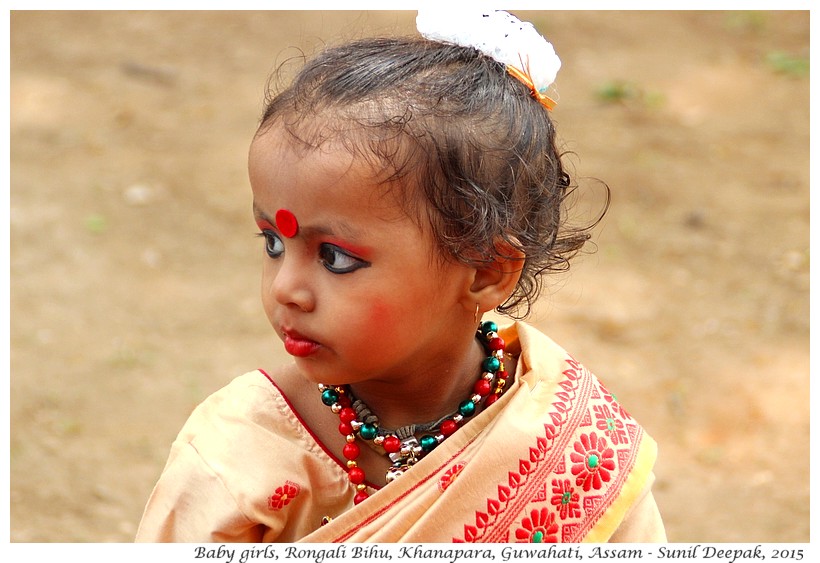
632 489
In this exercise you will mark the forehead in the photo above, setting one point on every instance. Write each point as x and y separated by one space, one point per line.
286 173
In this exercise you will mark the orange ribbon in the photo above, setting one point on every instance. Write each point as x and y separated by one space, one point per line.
526 79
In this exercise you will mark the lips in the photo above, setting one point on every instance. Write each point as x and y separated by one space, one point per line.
298 345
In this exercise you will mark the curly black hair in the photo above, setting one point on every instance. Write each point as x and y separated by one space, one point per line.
469 137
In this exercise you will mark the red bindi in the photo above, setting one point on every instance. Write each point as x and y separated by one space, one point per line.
286 223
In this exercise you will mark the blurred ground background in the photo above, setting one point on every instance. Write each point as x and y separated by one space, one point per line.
135 272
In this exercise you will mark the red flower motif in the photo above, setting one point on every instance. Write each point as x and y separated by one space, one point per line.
447 479
283 495
611 426
565 499
538 527
592 461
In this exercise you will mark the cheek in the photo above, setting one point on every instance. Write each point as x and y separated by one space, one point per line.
381 315
266 287
373 319
376 327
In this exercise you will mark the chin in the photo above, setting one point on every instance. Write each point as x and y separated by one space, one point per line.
314 372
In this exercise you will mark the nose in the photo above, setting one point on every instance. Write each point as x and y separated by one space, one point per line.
289 284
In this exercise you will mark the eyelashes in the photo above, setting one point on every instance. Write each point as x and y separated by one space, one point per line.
333 258
339 261
273 244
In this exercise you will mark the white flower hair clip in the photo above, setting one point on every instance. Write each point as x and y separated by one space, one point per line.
525 53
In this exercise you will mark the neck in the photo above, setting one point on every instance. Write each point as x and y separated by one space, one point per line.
426 396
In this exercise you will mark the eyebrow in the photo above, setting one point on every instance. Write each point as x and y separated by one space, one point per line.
336 229
259 214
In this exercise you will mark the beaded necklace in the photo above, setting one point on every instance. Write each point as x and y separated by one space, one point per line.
402 446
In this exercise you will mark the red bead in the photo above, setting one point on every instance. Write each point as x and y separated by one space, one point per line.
448 427
347 415
391 444
481 387
360 496
491 399
496 344
351 450
356 475
501 374
345 428
344 400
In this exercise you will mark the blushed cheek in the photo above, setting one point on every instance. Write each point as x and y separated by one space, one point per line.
382 317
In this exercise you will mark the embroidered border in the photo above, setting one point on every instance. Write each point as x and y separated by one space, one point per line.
585 454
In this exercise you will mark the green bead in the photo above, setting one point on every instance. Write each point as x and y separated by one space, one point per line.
491 364
368 431
466 408
428 443
592 461
488 327
330 396
537 537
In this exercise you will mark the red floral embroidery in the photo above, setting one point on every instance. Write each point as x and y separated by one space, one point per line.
592 462
560 495
611 426
447 479
613 402
538 527
565 499
283 495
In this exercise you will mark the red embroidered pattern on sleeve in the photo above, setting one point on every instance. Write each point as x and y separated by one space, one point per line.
283 495
586 452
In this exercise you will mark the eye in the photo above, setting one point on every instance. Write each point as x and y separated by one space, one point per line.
337 261
273 244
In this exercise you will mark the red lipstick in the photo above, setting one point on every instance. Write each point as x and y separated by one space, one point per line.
299 346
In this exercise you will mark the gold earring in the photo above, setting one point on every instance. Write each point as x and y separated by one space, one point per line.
475 315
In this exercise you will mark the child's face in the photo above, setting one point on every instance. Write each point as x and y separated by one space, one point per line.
358 292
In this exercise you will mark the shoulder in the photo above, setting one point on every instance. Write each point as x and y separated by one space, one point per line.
249 408
539 356
241 457
583 418
249 392
247 434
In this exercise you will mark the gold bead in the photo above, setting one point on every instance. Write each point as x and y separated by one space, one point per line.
350 438
361 487
335 408
351 463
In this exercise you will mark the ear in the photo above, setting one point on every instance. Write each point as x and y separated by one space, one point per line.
493 282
